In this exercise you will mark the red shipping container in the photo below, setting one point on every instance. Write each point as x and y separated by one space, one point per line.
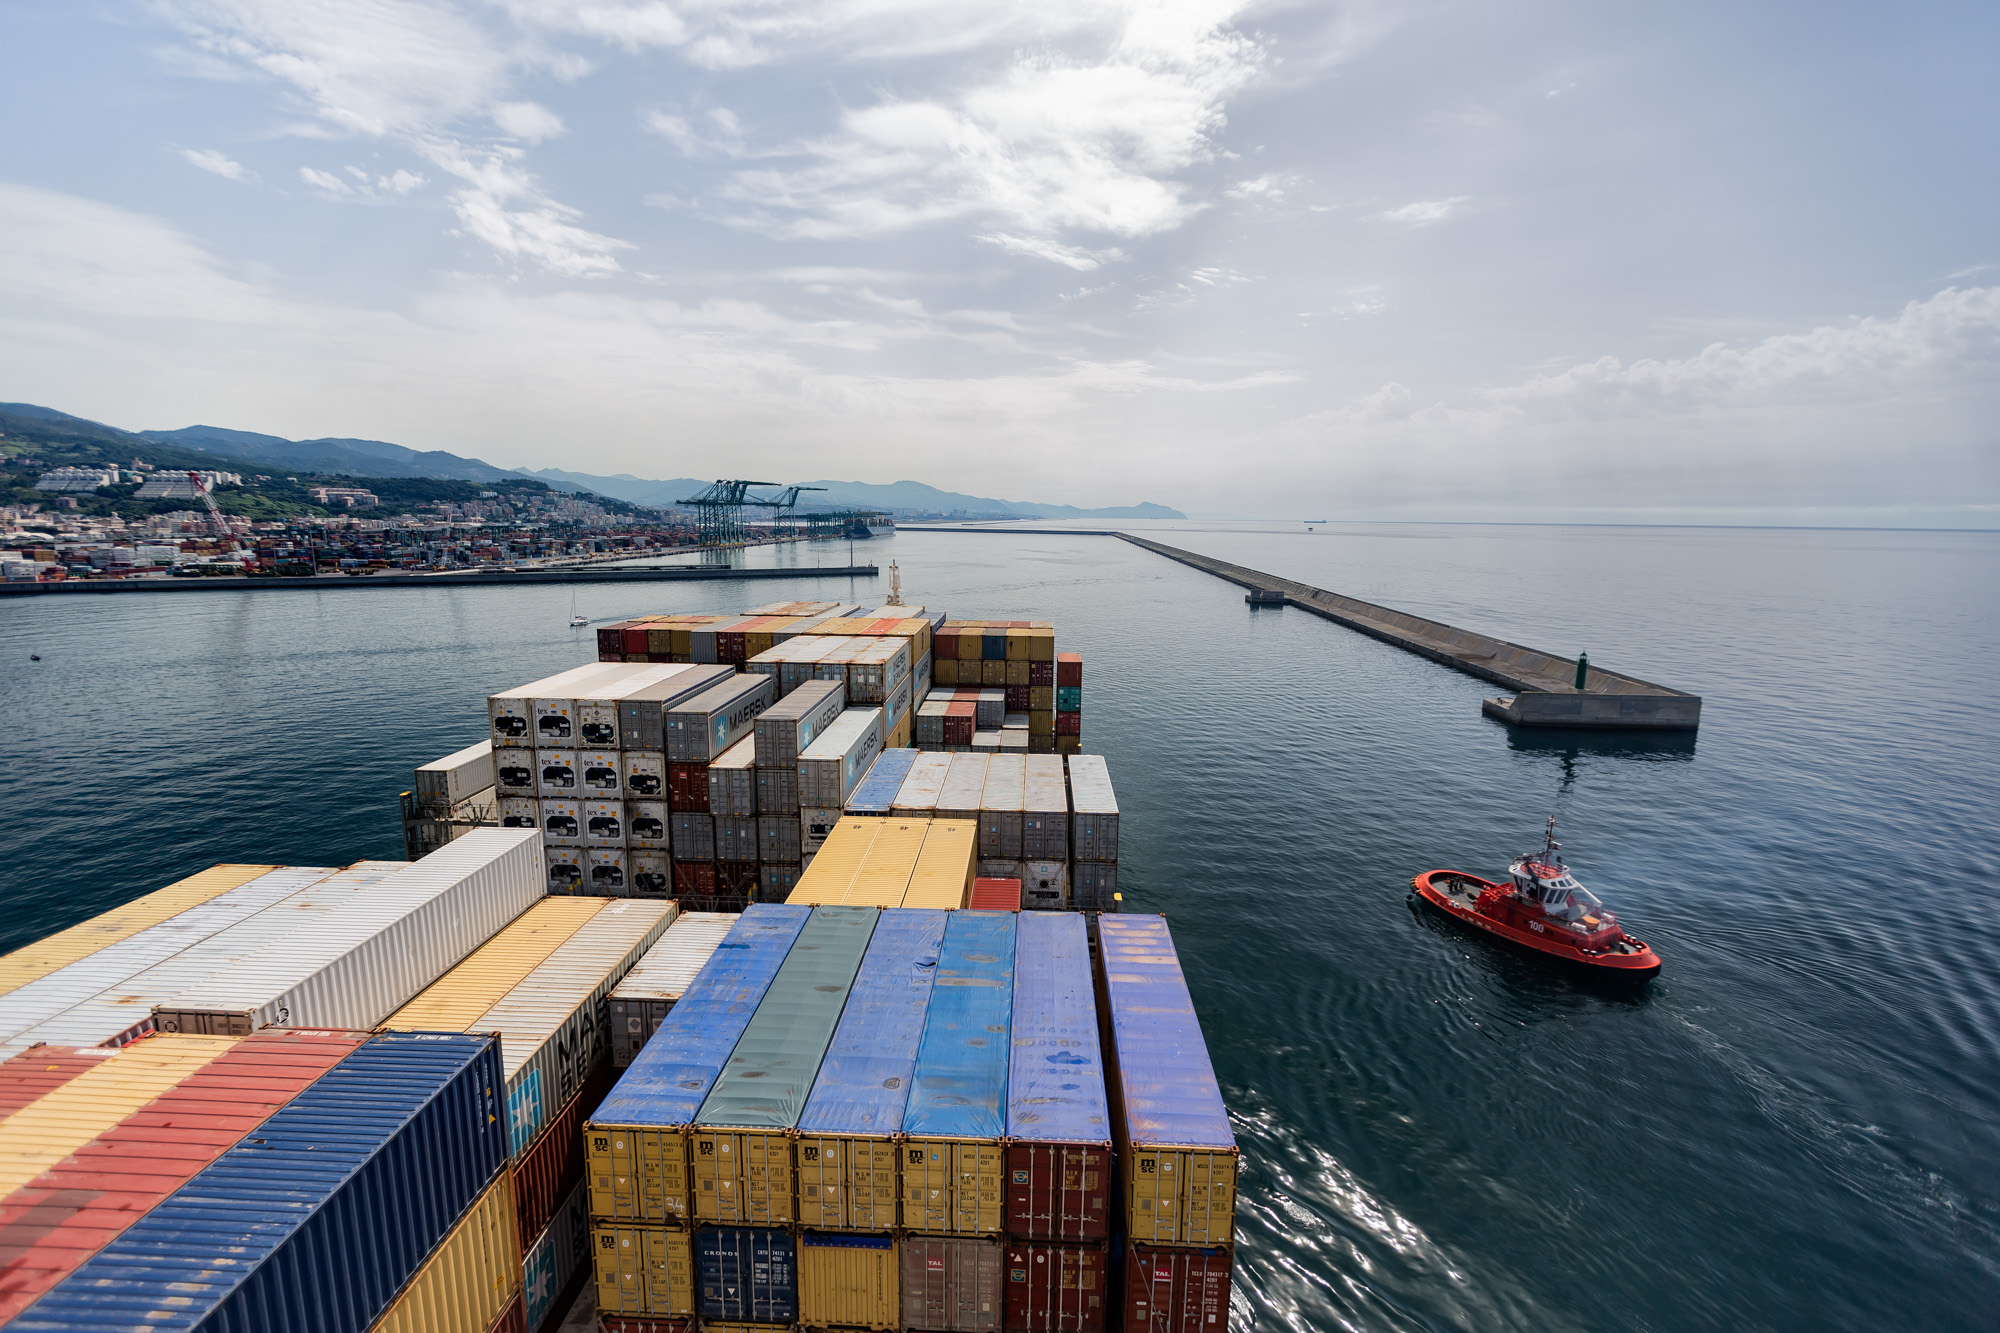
960 720
34 1074
737 878
635 1323
694 879
1069 724
513 1319
550 1167
1041 673
1069 668
1058 1191
1017 698
687 788
611 640
635 641
1175 1290
944 643
1058 1288
995 895
74 1209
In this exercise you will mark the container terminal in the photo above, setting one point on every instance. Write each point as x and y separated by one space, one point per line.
766 973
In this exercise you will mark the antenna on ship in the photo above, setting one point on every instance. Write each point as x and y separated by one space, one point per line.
895 586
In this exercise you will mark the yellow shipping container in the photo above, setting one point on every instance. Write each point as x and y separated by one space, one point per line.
899 735
1041 643
1180 1196
712 1326
1018 641
743 1176
45 955
848 1282
884 873
471 1276
944 671
1042 722
54 1125
1017 670
1067 744
832 870
1041 698
971 643
637 1175
953 1186
990 673
946 867
847 1182
461 996
644 1271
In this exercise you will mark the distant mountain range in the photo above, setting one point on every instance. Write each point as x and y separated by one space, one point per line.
378 458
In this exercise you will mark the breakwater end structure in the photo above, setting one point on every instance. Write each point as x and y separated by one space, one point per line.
468 579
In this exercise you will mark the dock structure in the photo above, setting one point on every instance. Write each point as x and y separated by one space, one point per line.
467 579
1544 685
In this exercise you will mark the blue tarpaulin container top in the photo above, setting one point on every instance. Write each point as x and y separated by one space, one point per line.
959 1089
1171 1099
674 1071
1055 1082
765 1083
875 794
315 1221
865 1080
748 1274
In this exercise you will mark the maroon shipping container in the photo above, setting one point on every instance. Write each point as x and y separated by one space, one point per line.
1172 1290
611 642
729 646
735 878
74 1209
995 895
951 1284
944 643
687 788
513 1319
1055 1288
1069 724
960 718
635 641
1017 698
549 1169
1041 673
1058 1191
635 1323
1069 668
694 879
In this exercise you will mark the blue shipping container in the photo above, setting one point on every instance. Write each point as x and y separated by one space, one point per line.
316 1221
748 1274
672 1074
865 1079
1167 1084
875 794
959 1090
1055 1086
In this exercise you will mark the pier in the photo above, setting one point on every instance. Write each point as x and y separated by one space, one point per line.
465 579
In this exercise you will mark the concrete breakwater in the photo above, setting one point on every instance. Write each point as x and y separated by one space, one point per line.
469 579
1544 684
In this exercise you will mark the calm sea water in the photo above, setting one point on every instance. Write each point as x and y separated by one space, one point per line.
1797 1126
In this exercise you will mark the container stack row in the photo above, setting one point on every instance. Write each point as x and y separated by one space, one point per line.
450 796
358 1091
709 639
1048 821
1018 658
890 1118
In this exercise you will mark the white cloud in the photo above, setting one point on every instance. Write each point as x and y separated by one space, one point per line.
208 159
395 185
325 180
502 205
1424 212
527 121
1036 247
1271 187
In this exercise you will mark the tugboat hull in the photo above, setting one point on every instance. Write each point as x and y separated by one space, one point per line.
1453 893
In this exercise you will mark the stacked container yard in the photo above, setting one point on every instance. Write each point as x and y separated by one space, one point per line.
1017 657
709 872
829 770
641 1002
786 731
1069 703
1177 1154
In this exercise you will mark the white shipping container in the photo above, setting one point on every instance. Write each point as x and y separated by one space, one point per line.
555 774
1012 741
646 825
444 783
897 707
511 713
656 982
1093 825
790 726
1015 722
922 786
831 765
651 873
986 742
514 773
1000 805
558 707
642 713
732 779
72 984
604 871
361 962
1044 886
878 666
964 787
814 826
562 822
519 812
553 1027
597 709
645 775
701 728
692 835
604 823
558 1254
601 773
1045 810
125 1012
565 869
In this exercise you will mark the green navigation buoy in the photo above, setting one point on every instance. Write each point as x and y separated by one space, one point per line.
1582 668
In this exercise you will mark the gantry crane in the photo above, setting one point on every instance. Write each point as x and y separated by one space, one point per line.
719 511
785 499
217 524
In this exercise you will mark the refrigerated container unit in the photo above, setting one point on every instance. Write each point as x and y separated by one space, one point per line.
651 873
953 1284
699 729
646 826
1176 1151
1045 886
603 823
514 773
1000 807
953 1161
830 767
556 774
740 1143
788 727
1093 809
348 1188
846 1145
444 784
641 1002
876 793
510 714
565 869
366 959
601 774
642 714
732 781
597 707
645 774
555 705
1059 1163
519 812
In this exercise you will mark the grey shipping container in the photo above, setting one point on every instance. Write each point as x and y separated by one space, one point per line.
797 668
1093 886
832 764
777 791
692 835
951 1284
701 728
1045 810
732 779
642 714
1093 809
363 961
446 782
735 838
1000 806
1044 886
647 994
778 839
964 787
788 727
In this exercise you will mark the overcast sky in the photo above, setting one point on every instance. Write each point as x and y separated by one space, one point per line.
1690 262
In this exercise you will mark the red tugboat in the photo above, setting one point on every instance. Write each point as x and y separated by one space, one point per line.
1545 909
